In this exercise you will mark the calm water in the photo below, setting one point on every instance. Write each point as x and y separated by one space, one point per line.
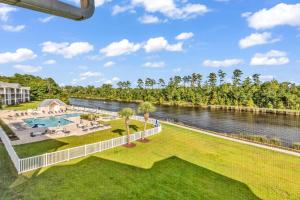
51 121
286 128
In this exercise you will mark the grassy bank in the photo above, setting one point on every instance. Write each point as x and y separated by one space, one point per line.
176 164
117 129
23 106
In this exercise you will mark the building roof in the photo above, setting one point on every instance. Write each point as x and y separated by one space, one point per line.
48 102
13 85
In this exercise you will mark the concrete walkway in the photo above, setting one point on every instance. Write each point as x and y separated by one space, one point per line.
237 140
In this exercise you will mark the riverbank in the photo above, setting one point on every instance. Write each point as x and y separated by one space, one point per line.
235 138
254 110
233 170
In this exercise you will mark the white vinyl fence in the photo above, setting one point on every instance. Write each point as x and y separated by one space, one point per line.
10 150
35 162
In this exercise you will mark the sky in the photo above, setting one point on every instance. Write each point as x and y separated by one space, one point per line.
132 39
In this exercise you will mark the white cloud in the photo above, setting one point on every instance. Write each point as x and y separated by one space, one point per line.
161 44
97 2
86 75
5 10
149 19
10 28
49 62
184 36
28 68
257 39
281 14
123 47
112 81
89 74
222 63
266 78
170 9
120 9
68 50
155 64
46 19
109 64
20 55
272 57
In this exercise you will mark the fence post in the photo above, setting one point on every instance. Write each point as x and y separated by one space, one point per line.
19 166
46 159
68 154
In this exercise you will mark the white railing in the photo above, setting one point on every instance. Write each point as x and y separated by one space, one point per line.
32 163
48 159
10 150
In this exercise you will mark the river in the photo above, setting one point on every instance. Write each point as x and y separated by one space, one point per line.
284 127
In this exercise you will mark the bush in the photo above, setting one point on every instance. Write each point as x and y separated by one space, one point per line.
275 141
89 117
296 146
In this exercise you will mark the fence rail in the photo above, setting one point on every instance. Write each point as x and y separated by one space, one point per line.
31 163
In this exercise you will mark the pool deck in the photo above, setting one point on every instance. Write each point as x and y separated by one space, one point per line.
22 130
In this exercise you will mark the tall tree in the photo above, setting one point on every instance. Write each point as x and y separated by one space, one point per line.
236 78
140 83
222 76
146 108
127 113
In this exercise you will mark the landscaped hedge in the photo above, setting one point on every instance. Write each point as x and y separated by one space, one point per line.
90 117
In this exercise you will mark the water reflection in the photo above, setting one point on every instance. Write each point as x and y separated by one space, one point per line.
286 128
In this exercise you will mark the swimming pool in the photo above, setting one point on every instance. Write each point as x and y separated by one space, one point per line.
52 121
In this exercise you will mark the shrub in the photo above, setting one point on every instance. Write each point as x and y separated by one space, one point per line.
296 146
275 141
90 117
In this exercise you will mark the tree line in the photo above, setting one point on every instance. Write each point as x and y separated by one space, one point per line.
191 90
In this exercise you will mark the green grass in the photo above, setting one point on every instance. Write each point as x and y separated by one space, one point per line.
117 129
23 106
176 164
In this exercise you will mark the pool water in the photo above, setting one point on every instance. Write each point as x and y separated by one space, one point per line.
53 121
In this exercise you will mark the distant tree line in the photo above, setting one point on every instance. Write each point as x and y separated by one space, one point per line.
194 90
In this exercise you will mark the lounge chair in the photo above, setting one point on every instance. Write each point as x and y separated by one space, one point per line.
38 133
65 131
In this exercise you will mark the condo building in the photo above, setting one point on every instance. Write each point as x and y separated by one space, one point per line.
13 93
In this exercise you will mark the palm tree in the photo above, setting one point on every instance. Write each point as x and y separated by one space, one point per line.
126 113
146 108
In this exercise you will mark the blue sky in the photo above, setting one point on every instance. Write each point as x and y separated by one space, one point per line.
131 39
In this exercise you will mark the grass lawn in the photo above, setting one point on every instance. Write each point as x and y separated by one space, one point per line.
117 130
176 164
23 106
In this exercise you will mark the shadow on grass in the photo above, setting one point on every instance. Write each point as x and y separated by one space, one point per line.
119 131
32 149
172 178
134 127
